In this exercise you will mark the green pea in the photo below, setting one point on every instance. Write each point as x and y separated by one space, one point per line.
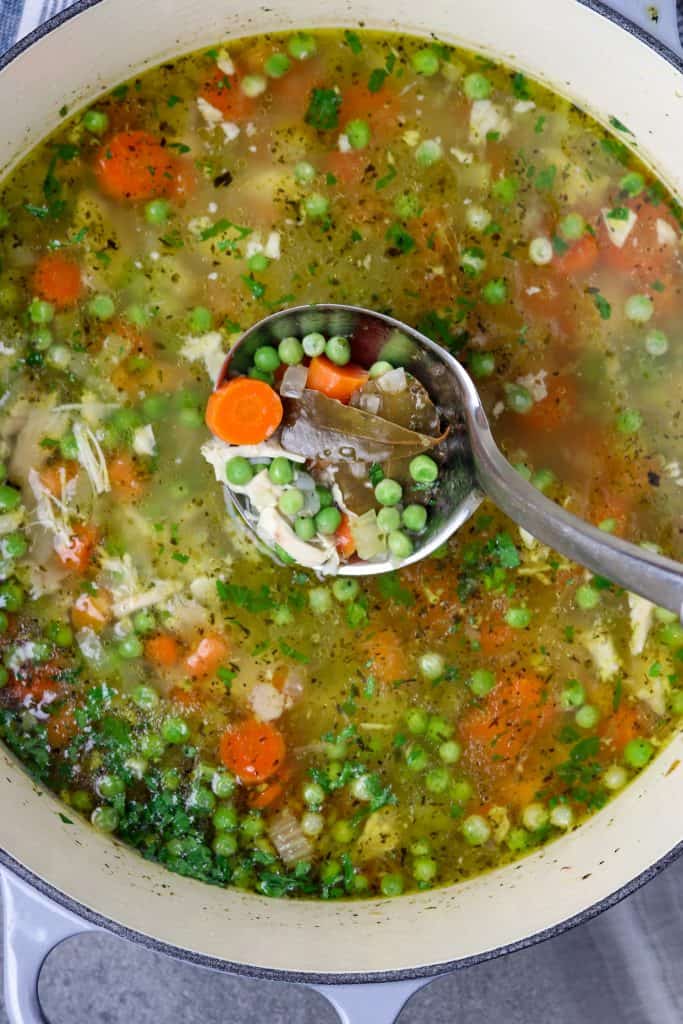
42 338
130 647
304 527
276 65
105 819
482 364
224 844
587 597
109 786
481 682
632 183
423 469
391 884
518 618
145 697
629 421
462 792
400 545
338 350
223 784
316 205
313 344
439 729
638 752
587 717
175 730
155 407
81 801
252 825
358 133
639 308
432 666
41 312
495 291
239 471
572 227
281 471
414 518
517 840
518 398
573 695
144 621
156 212
425 61
291 501
477 86
656 342
450 751
505 190
202 801
304 174
170 780
428 153
60 634
417 721
266 359
345 589
670 634
407 206
543 479
378 369
11 596
388 519
476 830
388 492
437 780
258 262
10 498
290 351
319 600
101 307
677 702
152 745
301 46
95 121
253 85
343 832
328 520
200 320
324 496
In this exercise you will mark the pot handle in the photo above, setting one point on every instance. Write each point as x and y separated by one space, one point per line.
33 926
667 29
373 1003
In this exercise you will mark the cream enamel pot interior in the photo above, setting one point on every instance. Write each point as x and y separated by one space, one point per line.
602 67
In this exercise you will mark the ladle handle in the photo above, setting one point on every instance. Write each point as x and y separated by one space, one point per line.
637 569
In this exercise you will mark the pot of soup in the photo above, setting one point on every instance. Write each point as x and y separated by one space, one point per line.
331 780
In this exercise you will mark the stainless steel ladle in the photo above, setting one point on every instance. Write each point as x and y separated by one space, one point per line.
473 465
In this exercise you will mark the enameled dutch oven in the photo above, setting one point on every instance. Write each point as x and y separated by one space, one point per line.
63 878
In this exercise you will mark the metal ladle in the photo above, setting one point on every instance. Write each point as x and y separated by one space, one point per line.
472 465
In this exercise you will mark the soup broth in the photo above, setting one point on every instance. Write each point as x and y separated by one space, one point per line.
248 724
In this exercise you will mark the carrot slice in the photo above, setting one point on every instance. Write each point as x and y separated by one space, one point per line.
224 93
91 611
387 656
267 796
346 545
504 725
253 750
125 478
244 411
211 650
57 280
338 382
134 165
579 258
163 649
558 406
75 556
642 255
348 168
61 728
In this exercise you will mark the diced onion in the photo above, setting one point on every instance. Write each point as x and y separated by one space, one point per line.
366 535
294 381
393 382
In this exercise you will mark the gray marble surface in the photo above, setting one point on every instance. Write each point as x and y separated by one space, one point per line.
624 967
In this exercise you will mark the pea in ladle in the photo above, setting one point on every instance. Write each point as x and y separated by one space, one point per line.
472 465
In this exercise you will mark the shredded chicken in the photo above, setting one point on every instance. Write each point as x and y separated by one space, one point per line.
91 458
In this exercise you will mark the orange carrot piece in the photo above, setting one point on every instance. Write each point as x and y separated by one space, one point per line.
381 109
266 797
387 657
348 168
253 750
163 649
224 92
346 545
57 279
494 636
91 611
642 255
244 411
559 405
579 258
625 724
75 556
124 477
292 92
134 165
61 728
508 720
55 476
338 382
211 650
